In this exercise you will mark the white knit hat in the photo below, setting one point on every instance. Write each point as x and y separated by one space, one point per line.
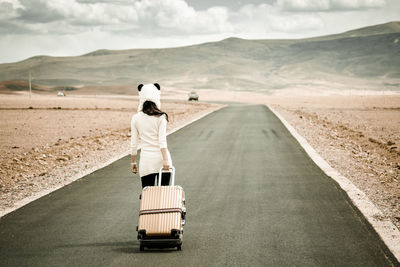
149 92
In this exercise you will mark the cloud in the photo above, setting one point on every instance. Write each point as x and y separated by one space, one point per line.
37 12
73 27
118 2
296 23
145 16
269 19
177 17
328 5
8 9
7 27
167 17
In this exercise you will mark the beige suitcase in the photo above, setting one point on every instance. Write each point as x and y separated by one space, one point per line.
162 215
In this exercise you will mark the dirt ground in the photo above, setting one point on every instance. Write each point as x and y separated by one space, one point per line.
46 140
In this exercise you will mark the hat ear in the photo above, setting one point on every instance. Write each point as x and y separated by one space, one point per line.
140 87
158 86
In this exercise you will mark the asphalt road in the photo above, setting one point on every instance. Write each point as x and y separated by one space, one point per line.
254 198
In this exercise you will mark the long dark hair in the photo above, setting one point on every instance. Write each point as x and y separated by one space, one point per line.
151 109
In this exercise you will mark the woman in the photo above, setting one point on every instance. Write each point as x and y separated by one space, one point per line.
148 132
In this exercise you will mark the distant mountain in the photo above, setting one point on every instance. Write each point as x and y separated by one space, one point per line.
390 27
366 53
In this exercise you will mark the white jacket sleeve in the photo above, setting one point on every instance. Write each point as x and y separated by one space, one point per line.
162 132
134 137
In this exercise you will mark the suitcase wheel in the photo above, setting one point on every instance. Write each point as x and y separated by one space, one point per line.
141 234
175 233
179 248
141 248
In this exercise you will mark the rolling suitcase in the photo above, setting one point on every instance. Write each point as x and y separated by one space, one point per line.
162 215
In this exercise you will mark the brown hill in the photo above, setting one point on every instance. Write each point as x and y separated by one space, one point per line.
19 85
367 54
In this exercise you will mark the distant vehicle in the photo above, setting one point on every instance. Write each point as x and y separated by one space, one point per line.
193 96
60 93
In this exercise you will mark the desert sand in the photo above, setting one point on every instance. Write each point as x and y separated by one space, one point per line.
47 140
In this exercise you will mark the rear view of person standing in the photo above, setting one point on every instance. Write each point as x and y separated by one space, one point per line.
162 209
148 133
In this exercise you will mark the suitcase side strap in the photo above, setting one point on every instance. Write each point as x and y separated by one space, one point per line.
155 211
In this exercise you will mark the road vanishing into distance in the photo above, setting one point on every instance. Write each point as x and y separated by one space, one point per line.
254 198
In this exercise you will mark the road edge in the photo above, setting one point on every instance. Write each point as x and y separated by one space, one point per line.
19 204
387 231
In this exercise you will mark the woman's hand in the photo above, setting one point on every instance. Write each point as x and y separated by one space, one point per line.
166 166
165 156
134 168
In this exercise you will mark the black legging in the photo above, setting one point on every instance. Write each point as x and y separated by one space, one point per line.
149 179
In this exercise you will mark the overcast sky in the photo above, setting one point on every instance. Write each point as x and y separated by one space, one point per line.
75 27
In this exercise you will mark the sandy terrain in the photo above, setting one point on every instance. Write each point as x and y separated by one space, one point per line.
47 140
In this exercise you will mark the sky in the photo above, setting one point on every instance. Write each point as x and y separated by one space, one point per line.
75 27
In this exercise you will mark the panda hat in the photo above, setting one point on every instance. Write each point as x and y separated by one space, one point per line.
149 92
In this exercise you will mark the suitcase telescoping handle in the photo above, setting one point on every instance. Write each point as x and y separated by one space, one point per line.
172 170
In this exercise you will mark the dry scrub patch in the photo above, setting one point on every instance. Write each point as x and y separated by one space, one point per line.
359 137
46 140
